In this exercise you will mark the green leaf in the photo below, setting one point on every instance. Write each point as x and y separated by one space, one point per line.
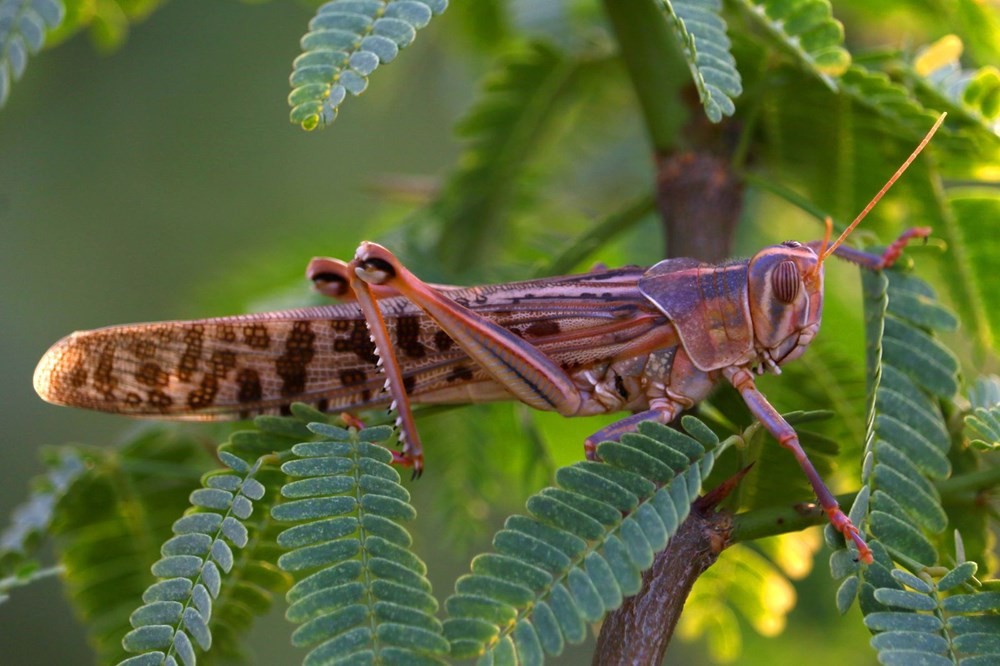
548 583
346 42
974 249
191 578
367 596
909 640
957 576
524 101
23 27
702 33
905 599
31 520
806 30
972 603
899 621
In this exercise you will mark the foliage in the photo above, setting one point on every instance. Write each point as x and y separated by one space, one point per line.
23 24
706 49
110 522
550 144
946 619
583 547
365 597
177 608
346 42
983 424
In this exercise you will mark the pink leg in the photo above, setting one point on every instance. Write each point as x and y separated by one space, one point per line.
769 417
520 367
877 262
663 414
413 452
332 277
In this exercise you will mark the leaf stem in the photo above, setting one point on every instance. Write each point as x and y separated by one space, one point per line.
599 234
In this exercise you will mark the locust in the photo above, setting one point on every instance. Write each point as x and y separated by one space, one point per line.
650 341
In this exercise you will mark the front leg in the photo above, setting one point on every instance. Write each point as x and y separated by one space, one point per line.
782 431
877 262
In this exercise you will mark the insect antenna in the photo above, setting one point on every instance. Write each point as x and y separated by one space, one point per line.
827 251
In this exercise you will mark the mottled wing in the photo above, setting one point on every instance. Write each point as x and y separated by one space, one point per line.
236 367
215 368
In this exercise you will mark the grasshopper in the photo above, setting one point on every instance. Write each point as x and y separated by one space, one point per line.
650 341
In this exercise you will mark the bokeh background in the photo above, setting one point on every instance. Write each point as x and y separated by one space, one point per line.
163 181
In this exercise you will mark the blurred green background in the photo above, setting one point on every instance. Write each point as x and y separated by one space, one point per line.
155 182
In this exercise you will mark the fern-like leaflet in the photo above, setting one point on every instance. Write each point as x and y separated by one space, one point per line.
346 42
583 546
33 519
366 596
23 24
970 94
908 441
936 622
983 423
177 610
702 33
807 30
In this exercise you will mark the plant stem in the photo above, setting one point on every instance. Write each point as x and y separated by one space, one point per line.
640 631
653 60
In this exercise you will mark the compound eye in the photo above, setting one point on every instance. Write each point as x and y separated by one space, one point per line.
785 281
791 243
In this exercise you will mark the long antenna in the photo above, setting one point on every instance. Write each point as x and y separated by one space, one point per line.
885 188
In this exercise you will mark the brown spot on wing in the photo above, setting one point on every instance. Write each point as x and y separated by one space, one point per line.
227 333
151 374
540 329
204 395
143 348
353 377
159 399
443 341
221 362
77 376
459 373
194 339
360 343
256 336
408 336
248 380
293 365
104 374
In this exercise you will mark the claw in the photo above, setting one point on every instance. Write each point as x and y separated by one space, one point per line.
895 250
407 459
352 421
844 525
